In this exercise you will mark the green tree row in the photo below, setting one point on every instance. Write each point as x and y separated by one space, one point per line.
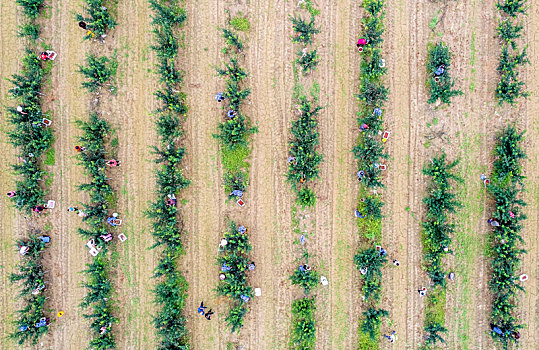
95 134
303 167
31 138
29 135
235 130
440 202
167 229
234 262
506 187
511 88
31 278
304 160
369 153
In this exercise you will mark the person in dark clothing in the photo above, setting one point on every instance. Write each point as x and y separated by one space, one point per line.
82 24
208 314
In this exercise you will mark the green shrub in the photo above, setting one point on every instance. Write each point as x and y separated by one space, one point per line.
433 331
304 31
372 320
308 61
371 260
371 93
510 88
99 70
305 167
509 32
307 280
29 30
31 8
232 39
98 19
306 198
235 318
512 7
441 86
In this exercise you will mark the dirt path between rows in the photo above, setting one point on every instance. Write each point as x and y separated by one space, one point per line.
528 119
11 223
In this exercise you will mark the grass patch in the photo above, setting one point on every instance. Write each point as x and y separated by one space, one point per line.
365 342
240 23
234 160
435 307
50 157
114 142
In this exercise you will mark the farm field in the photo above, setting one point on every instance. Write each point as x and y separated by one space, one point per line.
466 129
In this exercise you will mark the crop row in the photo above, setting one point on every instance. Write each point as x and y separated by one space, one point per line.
510 87
31 321
369 153
304 159
32 137
235 263
167 229
95 150
506 186
95 133
303 167
29 134
441 202
235 130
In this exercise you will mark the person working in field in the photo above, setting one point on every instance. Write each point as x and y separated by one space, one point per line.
360 44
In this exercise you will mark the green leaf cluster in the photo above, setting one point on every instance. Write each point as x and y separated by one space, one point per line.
372 318
307 60
512 7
